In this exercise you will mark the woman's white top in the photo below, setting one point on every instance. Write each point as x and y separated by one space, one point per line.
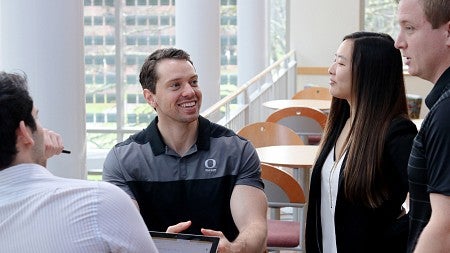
329 188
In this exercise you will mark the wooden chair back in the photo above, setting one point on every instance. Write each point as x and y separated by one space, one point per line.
308 123
280 186
313 93
312 113
262 134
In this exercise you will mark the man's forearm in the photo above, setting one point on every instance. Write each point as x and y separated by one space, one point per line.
433 240
252 239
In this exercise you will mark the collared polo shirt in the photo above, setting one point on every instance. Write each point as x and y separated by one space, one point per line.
197 186
429 163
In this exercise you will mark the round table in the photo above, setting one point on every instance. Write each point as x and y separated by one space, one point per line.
292 156
313 103
298 157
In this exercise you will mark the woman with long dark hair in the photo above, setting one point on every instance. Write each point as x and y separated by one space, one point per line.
359 181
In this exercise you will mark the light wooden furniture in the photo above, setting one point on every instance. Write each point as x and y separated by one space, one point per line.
313 93
297 111
307 122
298 157
320 104
262 134
292 156
282 190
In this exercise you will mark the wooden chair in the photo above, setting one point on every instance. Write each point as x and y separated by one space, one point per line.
307 122
313 93
262 134
282 190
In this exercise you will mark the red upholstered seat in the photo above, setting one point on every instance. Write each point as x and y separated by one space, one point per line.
283 233
314 139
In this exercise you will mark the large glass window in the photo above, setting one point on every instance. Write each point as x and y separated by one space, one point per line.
228 50
278 32
116 44
379 16
118 37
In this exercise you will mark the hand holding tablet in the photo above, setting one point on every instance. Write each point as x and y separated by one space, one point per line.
184 243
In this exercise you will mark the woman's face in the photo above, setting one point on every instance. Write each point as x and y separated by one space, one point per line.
341 71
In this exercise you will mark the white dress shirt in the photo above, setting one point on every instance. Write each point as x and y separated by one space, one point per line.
40 212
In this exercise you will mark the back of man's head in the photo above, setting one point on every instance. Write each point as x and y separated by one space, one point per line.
15 105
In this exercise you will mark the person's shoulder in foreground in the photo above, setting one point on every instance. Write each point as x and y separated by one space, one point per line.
424 39
71 215
44 213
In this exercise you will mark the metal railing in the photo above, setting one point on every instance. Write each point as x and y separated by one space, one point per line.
244 106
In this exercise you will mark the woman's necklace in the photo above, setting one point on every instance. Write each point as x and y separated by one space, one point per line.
330 179
336 162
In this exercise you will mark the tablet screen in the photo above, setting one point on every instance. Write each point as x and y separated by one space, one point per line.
184 243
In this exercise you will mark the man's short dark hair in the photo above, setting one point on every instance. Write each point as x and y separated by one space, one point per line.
16 105
148 76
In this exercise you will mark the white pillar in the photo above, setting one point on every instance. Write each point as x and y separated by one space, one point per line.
252 34
44 39
197 30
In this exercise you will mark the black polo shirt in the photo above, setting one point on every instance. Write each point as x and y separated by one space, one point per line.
197 186
429 163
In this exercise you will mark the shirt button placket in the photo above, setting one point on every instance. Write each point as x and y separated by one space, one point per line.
183 168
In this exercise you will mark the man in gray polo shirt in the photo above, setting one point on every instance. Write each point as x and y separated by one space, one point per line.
185 173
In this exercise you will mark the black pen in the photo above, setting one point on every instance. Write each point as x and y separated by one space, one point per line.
65 151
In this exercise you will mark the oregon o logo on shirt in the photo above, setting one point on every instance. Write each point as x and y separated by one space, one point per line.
210 163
